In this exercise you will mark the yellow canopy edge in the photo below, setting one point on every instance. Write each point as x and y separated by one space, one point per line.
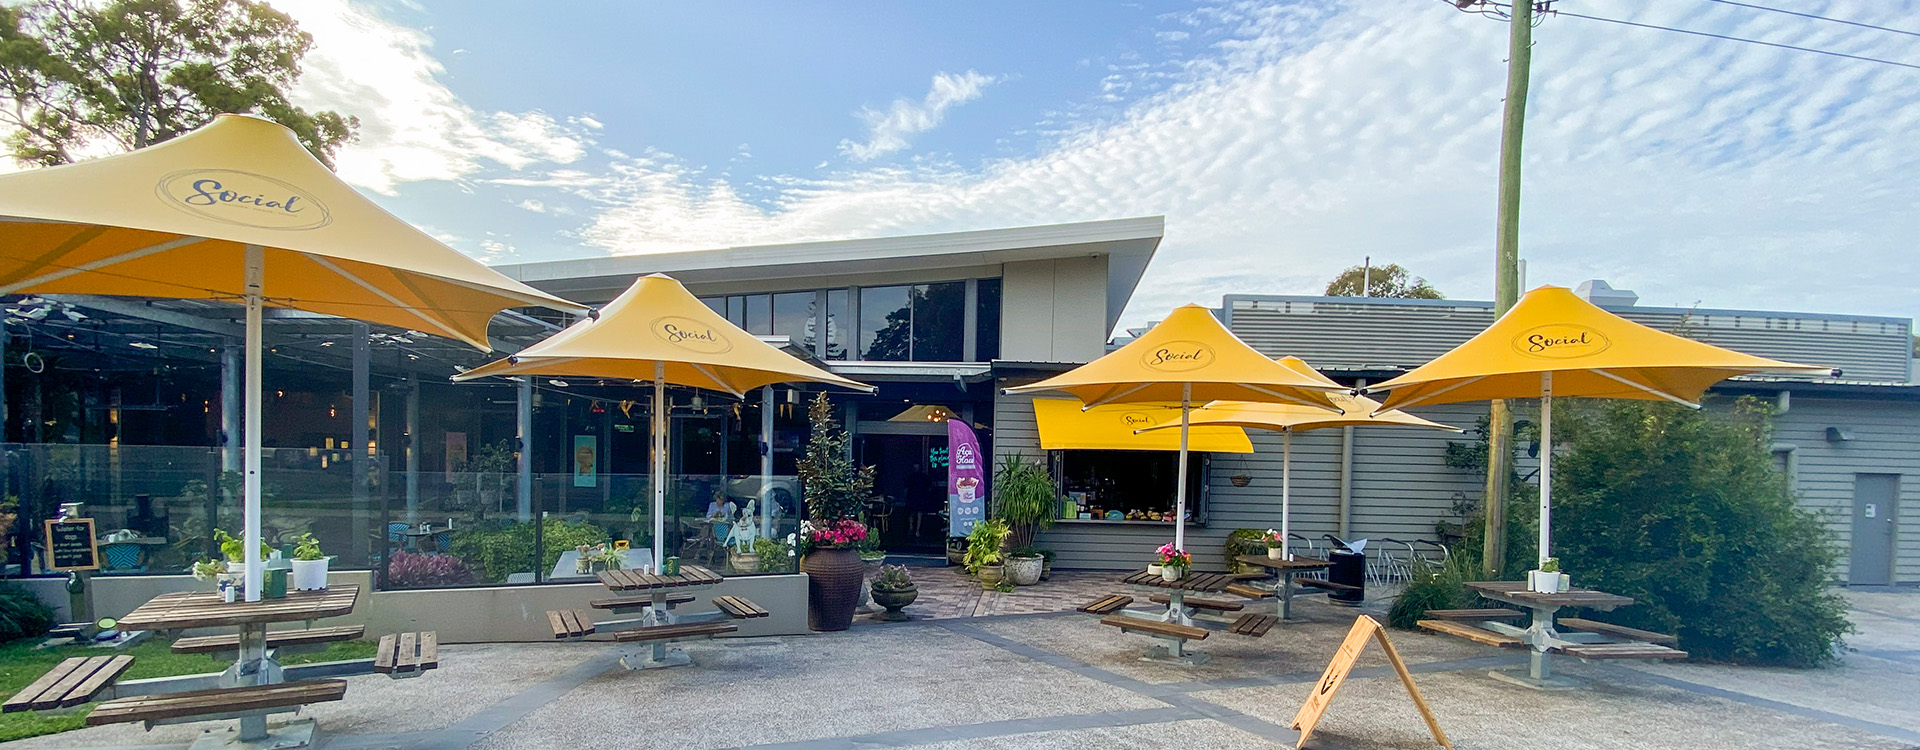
1063 426
173 220
1590 351
658 321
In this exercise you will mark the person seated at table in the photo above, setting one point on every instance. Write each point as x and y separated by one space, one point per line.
720 508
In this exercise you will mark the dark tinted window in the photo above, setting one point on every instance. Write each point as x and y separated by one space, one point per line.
886 323
986 340
939 322
737 311
793 317
839 326
759 315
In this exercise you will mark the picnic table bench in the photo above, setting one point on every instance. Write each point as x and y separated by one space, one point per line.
70 683
1175 625
1586 639
1286 574
251 702
407 654
275 639
1253 624
655 596
1106 605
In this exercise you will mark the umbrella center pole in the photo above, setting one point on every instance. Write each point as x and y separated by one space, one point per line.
1546 464
1286 492
250 533
1180 476
659 463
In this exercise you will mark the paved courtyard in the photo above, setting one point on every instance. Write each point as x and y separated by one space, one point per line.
1061 680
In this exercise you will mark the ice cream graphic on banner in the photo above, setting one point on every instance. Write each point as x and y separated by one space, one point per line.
966 480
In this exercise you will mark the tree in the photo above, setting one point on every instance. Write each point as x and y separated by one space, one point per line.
835 487
1381 281
1684 511
131 73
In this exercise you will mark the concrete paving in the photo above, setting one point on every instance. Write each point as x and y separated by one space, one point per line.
1060 679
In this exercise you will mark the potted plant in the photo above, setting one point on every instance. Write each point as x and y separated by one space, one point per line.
836 492
1024 565
597 557
894 590
309 564
744 559
1548 579
872 559
957 550
235 550
1174 562
983 551
1276 545
1046 566
1024 497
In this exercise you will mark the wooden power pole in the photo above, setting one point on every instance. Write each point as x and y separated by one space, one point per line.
1506 275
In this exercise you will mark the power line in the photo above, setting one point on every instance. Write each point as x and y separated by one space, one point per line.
1816 17
1710 35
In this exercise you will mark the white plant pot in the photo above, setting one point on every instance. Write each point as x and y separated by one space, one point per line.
1153 569
1171 574
1024 571
1276 553
310 575
1542 582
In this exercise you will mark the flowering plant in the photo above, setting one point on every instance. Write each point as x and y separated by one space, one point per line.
1273 539
836 534
1177 559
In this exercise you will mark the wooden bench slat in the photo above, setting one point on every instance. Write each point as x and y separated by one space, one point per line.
1620 631
430 649
1175 630
1469 632
1621 651
24 699
1473 615
630 602
1107 604
680 630
1218 605
409 653
275 639
97 681
1321 584
218 701
1253 624
1250 592
739 607
390 650
557 623
54 695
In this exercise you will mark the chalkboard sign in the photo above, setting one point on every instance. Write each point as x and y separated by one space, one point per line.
71 545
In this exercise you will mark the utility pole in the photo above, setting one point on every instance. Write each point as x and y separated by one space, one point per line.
1506 263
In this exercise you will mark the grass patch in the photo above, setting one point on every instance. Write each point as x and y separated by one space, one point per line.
21 664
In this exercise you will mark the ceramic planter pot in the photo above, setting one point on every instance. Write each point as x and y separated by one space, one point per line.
894 600
1276 553
834 578
1171 574
310 575
990 575
1153 569
1543 582
1025 571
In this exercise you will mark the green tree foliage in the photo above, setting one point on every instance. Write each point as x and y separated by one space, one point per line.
1684 511
835 488
500 549
133 73
22 615
1383 281
1024 497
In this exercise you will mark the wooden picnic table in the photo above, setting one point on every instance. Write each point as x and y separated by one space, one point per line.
254 664
1540 636
1284 571
656 593
1178 616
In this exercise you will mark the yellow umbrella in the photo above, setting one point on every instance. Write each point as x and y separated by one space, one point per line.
1188 356
1360 411
238 210
1552 343
657 331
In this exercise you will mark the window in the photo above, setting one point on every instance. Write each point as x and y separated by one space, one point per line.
986 321
793 318
737 311
919 323
759 315
1131 485
717 304
838 324
886 323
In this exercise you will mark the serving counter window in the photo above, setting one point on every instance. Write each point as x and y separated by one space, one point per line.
1116 486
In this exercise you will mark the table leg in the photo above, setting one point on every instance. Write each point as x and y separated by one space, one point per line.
253 668
1177 608
1286 593
662 615
1538 666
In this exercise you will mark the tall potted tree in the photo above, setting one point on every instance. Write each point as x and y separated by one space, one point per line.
1024 497
836 491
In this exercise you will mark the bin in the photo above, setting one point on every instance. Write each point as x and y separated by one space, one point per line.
1348 568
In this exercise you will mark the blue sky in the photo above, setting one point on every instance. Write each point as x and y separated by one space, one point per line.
1281 141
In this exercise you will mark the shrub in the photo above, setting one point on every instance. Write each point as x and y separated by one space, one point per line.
502 549
1024 497
775 557
1243 542
412 570
1433 587
22 615
1683 511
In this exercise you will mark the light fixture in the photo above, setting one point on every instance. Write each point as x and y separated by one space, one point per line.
557 383
142 345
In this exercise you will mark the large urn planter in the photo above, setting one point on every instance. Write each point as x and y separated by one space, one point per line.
991 575
894 600
1024 571
834 580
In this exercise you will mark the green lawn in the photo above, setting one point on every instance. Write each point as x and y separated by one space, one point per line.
21 663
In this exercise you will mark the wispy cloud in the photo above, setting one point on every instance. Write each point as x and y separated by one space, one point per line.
893 128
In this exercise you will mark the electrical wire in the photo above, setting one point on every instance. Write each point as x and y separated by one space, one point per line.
1710 35
1816 17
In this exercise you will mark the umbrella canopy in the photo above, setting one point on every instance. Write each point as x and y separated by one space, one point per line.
1589 352
1188 356
238 210
659 332
175 220
1552 343
1064 425
1359 411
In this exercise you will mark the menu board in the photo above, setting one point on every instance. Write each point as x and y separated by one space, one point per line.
71 545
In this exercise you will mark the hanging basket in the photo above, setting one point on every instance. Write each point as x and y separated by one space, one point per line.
1241 480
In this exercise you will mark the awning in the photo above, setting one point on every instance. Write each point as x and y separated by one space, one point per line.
1063 426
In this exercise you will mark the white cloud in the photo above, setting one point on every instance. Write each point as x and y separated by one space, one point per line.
892 129
1309 135
412 127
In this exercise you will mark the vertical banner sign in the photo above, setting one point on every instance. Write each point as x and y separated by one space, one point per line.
966 479
586 461
71 545
1364 629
